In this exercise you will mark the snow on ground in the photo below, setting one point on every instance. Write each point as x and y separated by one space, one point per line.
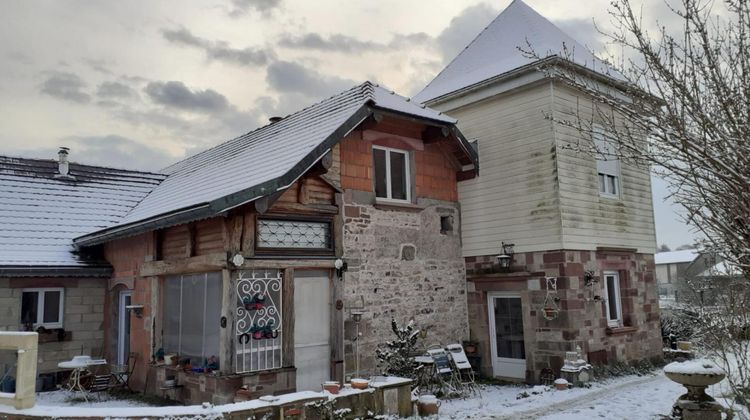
629 397
69 399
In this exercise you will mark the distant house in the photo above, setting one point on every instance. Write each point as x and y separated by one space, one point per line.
582 274
46 284
255 258
671 268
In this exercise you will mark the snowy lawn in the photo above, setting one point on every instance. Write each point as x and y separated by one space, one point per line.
629 397
70 399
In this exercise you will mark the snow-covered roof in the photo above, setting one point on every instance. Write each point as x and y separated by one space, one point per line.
675 257
40 214
265 160
495 51
722 269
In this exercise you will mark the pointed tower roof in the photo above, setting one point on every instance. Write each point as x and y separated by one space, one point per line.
495 51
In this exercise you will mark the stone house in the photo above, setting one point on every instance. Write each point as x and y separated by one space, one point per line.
582 270
247 260
45 284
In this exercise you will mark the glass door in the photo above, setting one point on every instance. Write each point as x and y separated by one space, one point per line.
123 328
506 336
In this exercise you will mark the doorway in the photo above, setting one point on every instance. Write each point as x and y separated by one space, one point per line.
312 329
123 327
506 335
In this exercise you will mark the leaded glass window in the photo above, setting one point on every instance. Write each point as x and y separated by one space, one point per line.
293 234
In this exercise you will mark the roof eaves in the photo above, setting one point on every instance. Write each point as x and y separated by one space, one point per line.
177 217
230 201
247 195
55 271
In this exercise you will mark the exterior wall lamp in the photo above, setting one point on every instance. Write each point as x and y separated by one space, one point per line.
506 257
341 267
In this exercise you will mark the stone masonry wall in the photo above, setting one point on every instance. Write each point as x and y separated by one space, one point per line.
582 320
404 268
83 318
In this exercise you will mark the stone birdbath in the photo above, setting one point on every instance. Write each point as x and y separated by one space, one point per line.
696 376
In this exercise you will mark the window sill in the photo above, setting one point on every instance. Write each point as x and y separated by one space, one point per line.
621 330
397 205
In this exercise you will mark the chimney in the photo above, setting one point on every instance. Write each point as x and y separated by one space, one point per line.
274 120
63 167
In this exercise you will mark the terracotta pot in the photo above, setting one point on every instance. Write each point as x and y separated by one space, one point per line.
470 349
427 405
360 383
332 387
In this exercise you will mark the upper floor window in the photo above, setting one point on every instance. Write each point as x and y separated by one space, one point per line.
607 164
392 174
42 307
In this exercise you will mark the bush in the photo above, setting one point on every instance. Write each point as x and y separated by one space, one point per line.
679 323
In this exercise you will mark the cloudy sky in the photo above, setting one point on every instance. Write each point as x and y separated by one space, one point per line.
140 84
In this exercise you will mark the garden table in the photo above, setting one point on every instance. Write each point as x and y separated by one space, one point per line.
79 366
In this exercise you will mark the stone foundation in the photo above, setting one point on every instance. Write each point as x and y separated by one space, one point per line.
582 319
405 267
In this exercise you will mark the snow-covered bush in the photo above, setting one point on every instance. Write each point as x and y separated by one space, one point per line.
678 323
395 357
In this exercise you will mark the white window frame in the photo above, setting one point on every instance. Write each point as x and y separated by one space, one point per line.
613 322
607 164
388 185
40 305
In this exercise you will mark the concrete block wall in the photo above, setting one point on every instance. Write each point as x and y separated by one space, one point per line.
426 285
582 320
83 317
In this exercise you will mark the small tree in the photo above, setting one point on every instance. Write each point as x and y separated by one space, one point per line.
396 357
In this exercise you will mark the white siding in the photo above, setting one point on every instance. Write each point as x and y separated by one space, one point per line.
589 220
515 198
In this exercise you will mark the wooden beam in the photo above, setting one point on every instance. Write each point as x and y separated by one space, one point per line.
248 234
301 208
227 336
433 134
291 262
287 318
190 245
232 233
201 263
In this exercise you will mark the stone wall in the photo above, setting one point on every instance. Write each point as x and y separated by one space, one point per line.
582 319
82 320
404 268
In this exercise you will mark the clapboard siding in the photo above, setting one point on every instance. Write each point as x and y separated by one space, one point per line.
515 198
588 220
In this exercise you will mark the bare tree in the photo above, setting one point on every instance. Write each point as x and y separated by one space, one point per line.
681 106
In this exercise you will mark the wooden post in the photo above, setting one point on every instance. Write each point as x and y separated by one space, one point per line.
248 235
227 335
287 318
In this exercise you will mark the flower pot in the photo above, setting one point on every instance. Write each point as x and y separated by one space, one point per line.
427 405
332 387
561 384
684 345
170 359
550 313
358 383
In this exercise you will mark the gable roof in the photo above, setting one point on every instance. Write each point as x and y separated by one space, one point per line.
676 257
41 214
495 52
263 161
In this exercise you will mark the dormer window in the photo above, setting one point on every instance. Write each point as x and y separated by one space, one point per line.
392 174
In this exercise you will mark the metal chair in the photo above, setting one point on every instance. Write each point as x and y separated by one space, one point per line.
462 366
122 373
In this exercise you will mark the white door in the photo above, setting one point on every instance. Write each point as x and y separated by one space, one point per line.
312 329
123 327
506 336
